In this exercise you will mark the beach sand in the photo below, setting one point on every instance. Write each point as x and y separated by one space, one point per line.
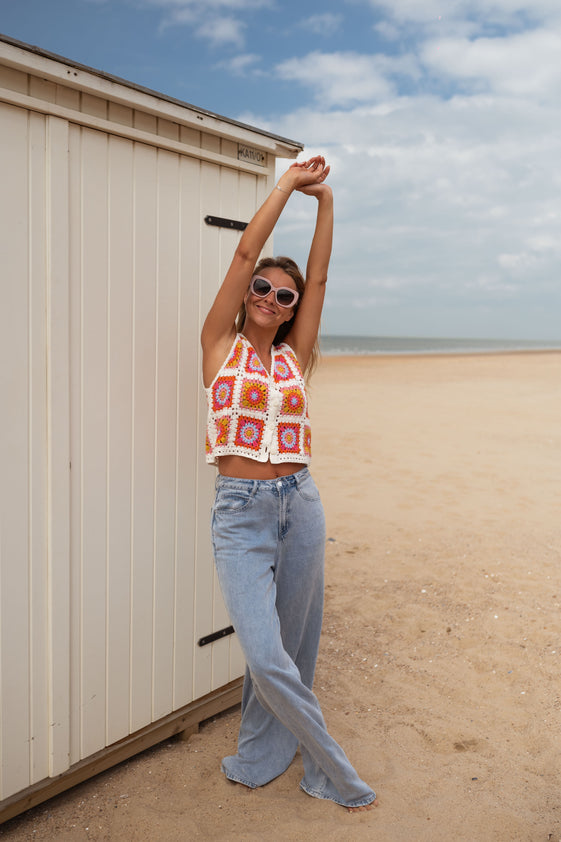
441 649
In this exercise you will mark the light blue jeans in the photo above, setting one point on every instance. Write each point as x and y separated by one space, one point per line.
269 539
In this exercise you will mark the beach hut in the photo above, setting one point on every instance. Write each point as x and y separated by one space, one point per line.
120 211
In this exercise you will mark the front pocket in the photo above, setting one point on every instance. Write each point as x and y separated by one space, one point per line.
307 489
233 499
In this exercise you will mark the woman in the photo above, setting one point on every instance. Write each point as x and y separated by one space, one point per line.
268 527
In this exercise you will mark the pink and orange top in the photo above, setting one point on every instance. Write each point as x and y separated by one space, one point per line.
257 414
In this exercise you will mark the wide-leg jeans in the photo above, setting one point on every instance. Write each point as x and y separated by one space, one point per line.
269 540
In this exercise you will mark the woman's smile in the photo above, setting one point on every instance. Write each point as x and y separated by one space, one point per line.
266 308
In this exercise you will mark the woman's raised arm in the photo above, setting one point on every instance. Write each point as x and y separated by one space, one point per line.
303 334
219 327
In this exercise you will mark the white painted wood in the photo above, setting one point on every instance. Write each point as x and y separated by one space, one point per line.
75 435
229 207
189 442
15 457
96 118
107 580
15 80
204 568
119 426
93 446
166 433
38 593
144 433
58 438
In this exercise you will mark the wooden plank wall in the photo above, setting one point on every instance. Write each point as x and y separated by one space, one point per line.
106 575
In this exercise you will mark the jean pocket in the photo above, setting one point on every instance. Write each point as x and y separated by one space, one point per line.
233 499
307 489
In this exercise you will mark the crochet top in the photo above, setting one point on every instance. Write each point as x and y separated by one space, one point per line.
256 414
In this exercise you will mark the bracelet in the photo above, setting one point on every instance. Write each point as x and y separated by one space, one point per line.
283 191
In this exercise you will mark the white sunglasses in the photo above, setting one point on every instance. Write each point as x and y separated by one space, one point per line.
284 296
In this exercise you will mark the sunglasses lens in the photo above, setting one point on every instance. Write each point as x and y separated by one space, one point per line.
261 287
285 297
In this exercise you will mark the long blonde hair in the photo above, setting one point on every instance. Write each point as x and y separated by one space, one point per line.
291 268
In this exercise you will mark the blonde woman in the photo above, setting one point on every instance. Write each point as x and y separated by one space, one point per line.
268 530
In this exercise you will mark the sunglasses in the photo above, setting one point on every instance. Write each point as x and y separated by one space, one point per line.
284 296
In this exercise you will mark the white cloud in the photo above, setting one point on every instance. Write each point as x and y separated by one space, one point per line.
325 24
202 6
451 209
344 78
524 64
217 21
448 199
242 65
222 30
388 30
480 12
518 263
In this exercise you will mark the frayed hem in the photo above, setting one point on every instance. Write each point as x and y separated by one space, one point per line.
235 780
325 797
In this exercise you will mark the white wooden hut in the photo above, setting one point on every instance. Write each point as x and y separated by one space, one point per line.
120 210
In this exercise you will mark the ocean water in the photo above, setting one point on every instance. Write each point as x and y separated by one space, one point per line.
369 345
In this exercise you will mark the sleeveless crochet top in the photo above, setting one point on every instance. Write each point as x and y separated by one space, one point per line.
256 414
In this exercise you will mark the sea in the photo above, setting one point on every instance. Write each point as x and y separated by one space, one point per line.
392 345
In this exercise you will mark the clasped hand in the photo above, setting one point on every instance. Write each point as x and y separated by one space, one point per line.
309 175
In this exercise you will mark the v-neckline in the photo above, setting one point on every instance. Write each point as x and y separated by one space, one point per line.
273 349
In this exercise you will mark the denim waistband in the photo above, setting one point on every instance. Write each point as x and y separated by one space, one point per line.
285 483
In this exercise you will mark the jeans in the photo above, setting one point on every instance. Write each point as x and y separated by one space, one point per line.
268 540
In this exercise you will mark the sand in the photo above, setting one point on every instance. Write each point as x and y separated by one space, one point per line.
441 650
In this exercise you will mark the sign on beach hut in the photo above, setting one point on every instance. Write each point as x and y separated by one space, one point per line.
120 211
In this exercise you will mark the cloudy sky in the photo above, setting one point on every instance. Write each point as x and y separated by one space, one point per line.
441 118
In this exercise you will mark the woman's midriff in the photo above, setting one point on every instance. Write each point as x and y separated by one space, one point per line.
243 468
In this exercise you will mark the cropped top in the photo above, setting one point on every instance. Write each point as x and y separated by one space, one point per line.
256 414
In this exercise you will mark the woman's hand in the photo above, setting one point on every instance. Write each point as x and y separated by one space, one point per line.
304 174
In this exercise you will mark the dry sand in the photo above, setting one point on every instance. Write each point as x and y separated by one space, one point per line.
439 665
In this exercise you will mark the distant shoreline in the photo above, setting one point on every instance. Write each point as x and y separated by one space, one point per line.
419 346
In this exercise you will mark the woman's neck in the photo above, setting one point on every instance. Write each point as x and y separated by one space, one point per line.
261 340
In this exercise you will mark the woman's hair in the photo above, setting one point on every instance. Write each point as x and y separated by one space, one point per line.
290 267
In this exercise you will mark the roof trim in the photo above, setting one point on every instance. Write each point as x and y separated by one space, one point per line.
38 51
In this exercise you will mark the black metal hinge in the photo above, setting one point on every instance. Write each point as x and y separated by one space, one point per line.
220 222
210 638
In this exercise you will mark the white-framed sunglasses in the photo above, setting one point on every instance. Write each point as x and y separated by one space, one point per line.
284 296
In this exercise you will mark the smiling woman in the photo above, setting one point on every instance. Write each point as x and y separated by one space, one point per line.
268 526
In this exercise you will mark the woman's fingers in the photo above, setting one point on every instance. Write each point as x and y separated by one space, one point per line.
312 171
316 162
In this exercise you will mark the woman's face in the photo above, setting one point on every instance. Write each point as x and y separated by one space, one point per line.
266 312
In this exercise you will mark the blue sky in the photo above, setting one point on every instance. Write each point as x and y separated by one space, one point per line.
441 120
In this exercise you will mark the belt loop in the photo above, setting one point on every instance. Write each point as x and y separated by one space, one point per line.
301 475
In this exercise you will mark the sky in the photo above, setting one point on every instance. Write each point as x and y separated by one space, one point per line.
441 120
